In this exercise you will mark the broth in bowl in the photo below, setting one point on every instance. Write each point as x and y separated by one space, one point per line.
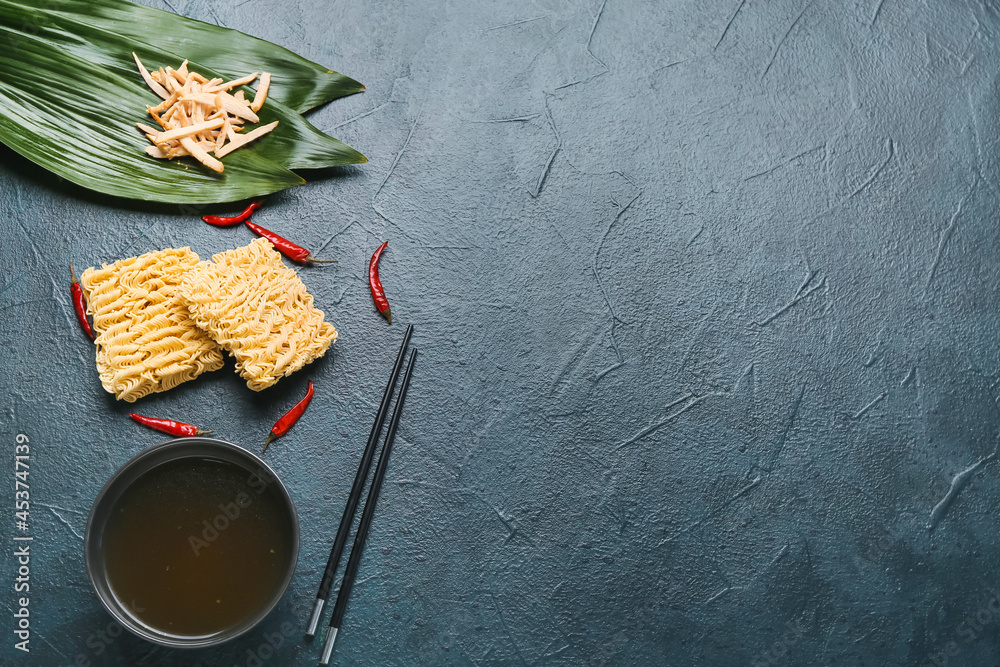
192 542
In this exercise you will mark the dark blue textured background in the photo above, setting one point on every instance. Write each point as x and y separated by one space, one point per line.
707 300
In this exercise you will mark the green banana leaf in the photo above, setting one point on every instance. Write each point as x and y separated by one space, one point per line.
70 96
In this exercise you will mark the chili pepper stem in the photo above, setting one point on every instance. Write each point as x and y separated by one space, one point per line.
292 251
388 315
312 260
203 432
270 439
73 273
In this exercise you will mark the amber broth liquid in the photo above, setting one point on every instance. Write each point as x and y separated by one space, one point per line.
181 569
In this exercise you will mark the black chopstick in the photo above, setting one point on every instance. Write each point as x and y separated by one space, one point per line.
356 488
366 519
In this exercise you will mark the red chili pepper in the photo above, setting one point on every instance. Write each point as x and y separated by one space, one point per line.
281 426
229 221
376 285
292 251
169 426
79 304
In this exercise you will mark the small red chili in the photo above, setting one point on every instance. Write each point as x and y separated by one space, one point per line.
79 304
376 285
229 221
281 426
169 426
292 251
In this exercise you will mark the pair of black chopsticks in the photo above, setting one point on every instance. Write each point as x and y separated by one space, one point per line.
352 503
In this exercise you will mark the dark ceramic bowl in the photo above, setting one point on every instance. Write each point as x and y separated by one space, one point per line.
128 474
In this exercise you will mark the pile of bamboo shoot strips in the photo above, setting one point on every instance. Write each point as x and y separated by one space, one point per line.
199 116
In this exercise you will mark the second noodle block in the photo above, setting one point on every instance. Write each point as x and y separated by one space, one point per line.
258 309
146 339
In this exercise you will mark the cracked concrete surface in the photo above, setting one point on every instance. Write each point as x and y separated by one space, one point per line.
707 301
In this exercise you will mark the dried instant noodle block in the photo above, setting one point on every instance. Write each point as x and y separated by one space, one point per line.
259 310
146 339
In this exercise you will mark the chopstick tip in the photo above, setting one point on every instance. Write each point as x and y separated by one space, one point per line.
331 636
317 613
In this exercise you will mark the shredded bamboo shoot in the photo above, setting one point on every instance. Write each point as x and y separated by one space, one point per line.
200 117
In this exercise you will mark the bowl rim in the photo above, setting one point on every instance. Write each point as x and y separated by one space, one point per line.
189 447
